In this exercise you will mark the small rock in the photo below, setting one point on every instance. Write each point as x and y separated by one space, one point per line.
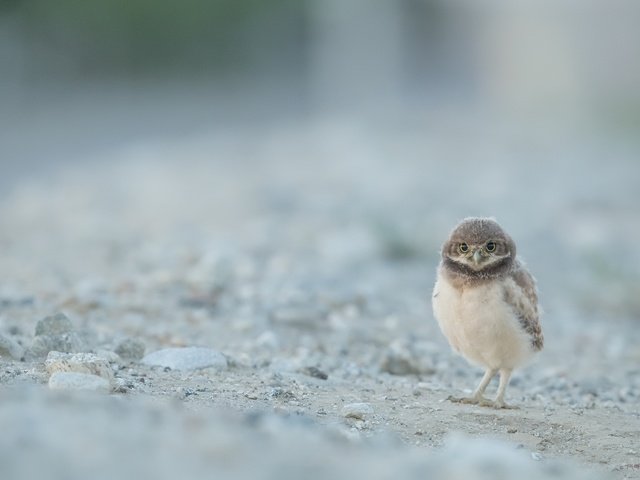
54 325
10 348
15 330
402 359
240 360
593 386
536 456
17 301
70 342
357 410
78 381
298 316
184 392
108 355
189 358
283 365
268 340
396 365
315 372
130 349
88 363
281 393
512 430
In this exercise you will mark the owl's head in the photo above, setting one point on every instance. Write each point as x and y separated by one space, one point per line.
479 247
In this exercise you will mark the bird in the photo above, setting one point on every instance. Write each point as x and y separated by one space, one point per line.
486 304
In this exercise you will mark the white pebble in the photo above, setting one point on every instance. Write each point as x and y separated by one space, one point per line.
78 381
87 363
357 410
189 358
57 324
268 339
10 348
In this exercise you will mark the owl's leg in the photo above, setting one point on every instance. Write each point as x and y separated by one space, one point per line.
477 398
488 375
505 376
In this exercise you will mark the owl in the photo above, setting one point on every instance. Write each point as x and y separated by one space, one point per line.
486 304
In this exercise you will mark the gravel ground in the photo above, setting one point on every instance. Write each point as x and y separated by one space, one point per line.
299 261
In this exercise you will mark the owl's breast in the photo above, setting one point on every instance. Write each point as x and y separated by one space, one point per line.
479 324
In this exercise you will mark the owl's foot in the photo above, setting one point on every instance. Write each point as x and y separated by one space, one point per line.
481 402
474 400
497 404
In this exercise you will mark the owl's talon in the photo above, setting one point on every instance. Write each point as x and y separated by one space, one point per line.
485 402
453 399
502 405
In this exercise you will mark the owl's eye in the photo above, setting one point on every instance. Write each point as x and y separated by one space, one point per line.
463 248
491 247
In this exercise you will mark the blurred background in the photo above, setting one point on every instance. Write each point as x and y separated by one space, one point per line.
274 179
412 112
81 77
397 118
402 116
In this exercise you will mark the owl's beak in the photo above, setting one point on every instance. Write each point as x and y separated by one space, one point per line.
477 256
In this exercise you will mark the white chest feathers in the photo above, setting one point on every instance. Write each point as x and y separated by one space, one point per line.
480 324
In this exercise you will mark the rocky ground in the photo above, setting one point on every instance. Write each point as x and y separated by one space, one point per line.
256 304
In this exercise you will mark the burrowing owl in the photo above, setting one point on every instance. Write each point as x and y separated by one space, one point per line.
486 303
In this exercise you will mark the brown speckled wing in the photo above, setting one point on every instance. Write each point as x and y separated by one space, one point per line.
524 301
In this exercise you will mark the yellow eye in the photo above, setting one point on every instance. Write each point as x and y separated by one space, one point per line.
463 248
491 247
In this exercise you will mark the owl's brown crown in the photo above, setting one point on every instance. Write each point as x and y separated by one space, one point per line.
478 230
478 249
